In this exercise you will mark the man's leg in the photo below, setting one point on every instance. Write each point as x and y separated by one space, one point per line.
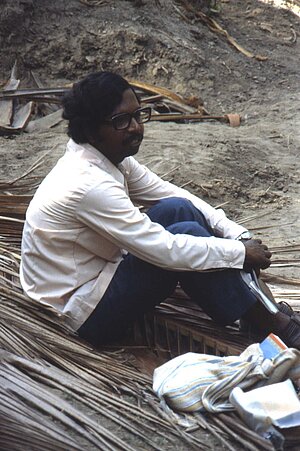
176 209
223 294
136 288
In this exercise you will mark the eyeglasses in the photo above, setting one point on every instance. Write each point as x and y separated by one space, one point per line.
123 120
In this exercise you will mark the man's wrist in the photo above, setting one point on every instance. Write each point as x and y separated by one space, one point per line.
246 235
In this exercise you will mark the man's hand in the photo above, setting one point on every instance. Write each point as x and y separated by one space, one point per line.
257 255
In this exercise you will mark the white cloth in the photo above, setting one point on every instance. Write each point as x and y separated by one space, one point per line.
84 215
193 382
276 404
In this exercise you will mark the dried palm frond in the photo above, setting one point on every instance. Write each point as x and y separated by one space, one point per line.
9 184
48 378
23 427
290 296
166 106
48 373
244 220
216 27
94 379
33 331
29 93
6 106
35 384
14 205
287 248
248 439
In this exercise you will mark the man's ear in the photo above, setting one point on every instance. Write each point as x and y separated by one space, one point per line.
93 136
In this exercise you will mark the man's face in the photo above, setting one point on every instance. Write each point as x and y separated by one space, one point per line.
119 144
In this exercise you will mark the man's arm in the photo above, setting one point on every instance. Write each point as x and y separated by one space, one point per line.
146 188
107 209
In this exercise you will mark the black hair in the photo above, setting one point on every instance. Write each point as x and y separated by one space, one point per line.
90 102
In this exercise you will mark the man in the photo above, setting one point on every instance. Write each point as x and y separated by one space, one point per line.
90 252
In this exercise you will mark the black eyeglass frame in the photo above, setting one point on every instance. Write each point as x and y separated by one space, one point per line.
130 116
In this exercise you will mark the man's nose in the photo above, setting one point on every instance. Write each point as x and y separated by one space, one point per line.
134 126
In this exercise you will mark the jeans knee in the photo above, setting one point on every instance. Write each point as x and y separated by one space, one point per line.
173 207
171 210
176 209
175 203
188 228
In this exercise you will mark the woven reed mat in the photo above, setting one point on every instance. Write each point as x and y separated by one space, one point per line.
178 325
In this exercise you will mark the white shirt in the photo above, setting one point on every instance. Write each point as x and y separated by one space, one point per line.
85 214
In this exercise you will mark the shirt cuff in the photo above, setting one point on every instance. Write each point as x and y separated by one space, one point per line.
235 253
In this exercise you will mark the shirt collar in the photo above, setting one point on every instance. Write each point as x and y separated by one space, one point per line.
89 153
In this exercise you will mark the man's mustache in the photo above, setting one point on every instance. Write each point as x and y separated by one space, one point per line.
133 138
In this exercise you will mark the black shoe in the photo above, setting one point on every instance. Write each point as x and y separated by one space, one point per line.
290 334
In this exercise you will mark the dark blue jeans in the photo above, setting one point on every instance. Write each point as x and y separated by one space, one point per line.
137 286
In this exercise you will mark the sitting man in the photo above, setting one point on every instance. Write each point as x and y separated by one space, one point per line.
90 252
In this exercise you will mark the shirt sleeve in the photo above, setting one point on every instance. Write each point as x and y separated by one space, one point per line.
146 188
107 209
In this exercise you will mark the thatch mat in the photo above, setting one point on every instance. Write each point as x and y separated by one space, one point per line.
57 392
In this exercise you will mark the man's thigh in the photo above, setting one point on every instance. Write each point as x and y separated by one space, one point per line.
136 288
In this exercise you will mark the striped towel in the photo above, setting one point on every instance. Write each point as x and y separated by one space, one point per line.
194 382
